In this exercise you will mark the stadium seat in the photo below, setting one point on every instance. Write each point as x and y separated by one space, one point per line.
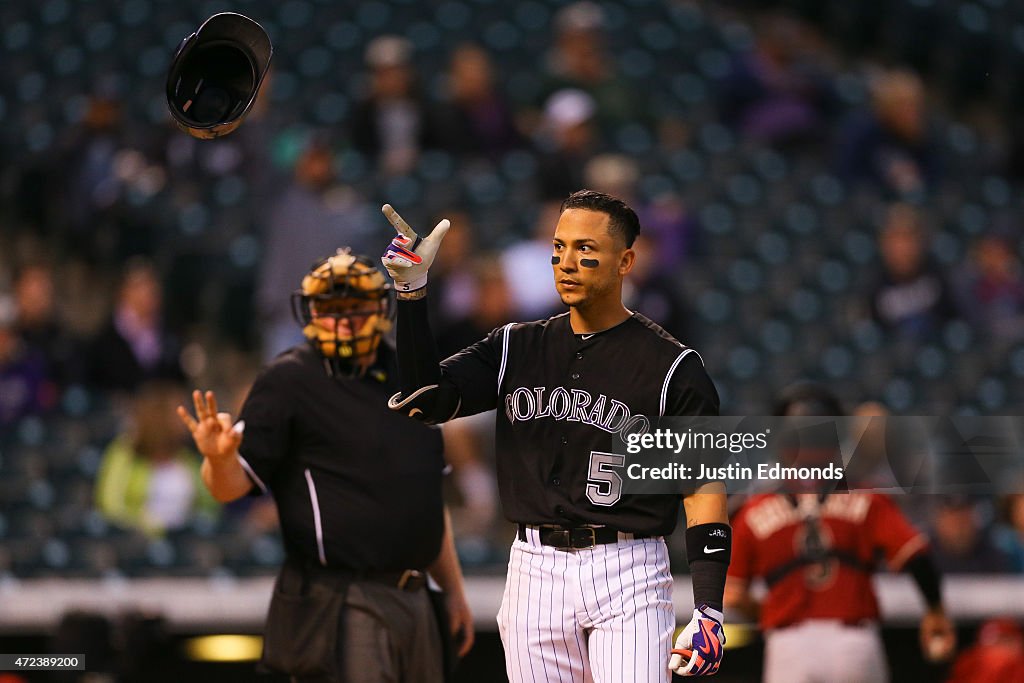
745 276
958 336
931 362
744 363
992 395
838 362
1016 361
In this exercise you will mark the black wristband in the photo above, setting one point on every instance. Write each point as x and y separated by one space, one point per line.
712 542
927 578
709 549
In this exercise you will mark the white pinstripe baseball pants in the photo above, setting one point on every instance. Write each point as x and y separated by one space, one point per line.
602 615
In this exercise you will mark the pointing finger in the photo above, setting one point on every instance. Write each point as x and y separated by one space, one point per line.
398 222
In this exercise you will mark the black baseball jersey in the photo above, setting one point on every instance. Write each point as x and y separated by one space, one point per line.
561 397
357 486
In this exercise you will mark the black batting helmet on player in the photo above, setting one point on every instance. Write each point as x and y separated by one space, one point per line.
344 307
216 74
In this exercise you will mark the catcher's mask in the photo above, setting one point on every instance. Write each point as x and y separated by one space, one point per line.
216 74
344 306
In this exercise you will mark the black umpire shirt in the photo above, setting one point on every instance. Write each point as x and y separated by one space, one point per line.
561 398
357 486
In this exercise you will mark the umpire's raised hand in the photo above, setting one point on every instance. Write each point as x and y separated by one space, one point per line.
408 257
213 433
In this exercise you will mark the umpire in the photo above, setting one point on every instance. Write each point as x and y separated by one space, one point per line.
358 490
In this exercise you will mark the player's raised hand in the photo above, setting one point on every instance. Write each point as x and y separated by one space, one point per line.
408 257
699 647
213 433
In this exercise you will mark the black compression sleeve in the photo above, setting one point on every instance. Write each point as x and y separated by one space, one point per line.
418 363
709 549
927 578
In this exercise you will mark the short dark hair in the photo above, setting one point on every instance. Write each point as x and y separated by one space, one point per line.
623 221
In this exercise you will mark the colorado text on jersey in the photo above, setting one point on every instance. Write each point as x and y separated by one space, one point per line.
574 405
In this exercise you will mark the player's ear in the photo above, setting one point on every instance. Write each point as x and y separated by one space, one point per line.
626 262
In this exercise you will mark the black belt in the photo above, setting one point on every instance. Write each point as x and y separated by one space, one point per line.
573 538
402 579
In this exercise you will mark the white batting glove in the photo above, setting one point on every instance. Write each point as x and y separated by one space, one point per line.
699 647
408 257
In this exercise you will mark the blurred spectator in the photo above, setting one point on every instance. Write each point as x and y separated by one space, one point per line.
892 147
993 288
99 182
888 454
134 346
650 291
480 113
40 327
25 388
148 478
89 187
778 93
311 217
527 267
1009 534
673 230
961 543
996 655
394 122
492 307
567 140
910 295
469 449
453 284
580 59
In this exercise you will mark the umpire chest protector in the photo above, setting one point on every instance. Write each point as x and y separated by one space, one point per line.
562 399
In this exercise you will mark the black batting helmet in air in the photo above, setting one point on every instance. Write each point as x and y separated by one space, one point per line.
216 74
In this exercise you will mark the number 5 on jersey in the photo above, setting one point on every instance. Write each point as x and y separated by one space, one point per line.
604 485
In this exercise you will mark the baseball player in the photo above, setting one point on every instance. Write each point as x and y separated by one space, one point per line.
816 552
357 487
588 593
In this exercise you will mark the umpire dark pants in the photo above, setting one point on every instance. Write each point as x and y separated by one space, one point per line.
384 634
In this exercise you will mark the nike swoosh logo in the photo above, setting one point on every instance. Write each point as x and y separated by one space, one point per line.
587 336
708 551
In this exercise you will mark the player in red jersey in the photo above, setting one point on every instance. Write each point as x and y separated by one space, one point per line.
816 552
